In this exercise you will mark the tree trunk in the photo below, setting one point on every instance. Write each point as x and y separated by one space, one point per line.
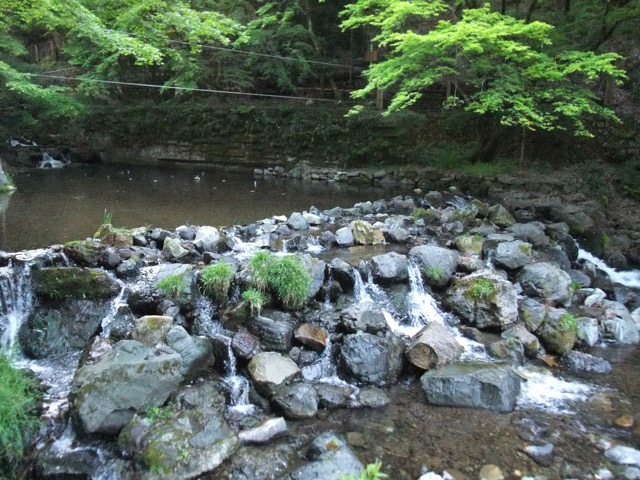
532 7
491 136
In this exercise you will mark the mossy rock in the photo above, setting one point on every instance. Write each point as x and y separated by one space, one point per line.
559 332
469 244
85 253
60 283
110 235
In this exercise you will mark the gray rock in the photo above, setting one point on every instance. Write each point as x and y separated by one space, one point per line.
579 362
333 396
509 349
390 268
541 454
589 332
274 329
316 269
366 317
331 459
529 341
297 221
151 329
372 397
484 300
438 264
313 219
546 281
193 440
343 273
145 294
173 250
559 331
477 385
434 347
130 378
344 237
512 255
532 314
207 239
297 401
532 233
618 325
245 344
396 235
624 455
57 284
500 216
371 359
270 370
264 432
196 352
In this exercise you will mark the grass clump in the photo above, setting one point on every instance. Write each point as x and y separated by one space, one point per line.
481 290
370 472
434 274
216 280
18 399
568 323
172 285
255 299
286 277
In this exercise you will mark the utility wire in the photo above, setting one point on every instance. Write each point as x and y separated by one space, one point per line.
188 89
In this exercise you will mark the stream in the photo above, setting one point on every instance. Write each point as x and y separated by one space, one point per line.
577 413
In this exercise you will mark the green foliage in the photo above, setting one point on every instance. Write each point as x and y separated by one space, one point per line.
286 277
628 176
107 216
155 414
18 419
419 213
172 285
568 323
216 280
256 300
434 274
481 290
370 472
498 65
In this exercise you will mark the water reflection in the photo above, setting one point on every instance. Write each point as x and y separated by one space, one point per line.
54 206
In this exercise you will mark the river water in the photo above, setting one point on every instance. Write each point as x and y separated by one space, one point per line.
58 205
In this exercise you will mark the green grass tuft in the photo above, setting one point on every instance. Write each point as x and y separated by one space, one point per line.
216 280
172 285
256 300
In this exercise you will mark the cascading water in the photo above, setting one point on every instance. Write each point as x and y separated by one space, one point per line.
15 303
629 278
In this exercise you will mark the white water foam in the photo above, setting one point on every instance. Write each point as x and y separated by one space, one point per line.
545 391
629 278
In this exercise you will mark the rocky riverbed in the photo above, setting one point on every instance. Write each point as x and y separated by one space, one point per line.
438 333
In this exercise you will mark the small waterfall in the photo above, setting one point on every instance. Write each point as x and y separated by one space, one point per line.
323 367
360 289
116 304
16 302
629 278
314 246
422 306
237 385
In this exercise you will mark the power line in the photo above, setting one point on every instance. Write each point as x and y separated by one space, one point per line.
188 89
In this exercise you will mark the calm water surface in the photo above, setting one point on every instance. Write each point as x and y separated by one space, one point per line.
55 206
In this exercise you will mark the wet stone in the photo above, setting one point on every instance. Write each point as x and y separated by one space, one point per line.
297 401
580 362
541 454
333 396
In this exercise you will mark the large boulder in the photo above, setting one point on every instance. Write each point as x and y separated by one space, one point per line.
207 239
130 378
299 400
618 324
344 237
438 263
297 221
478 385
434 347
274 329
559 331
390 268
196 352
512 255
500 216
151 329
270 370
344 274
191 439
532 233
365 317
85 253
546 281
59 283
146 293
331 459
365 234
484 300
371 359
68 327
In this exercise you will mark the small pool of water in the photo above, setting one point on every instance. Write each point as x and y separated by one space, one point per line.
55 206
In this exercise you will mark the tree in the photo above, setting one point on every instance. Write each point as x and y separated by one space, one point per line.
501 68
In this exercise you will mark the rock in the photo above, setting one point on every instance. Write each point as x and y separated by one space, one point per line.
269 370
245 344
264 432
365 317
85 253
365 234
491 472
207 239
194 439
589 333
500 216
547 282
396 235
344 237
344 274
434 347
173 250
469 244
129 268
532 314
316 269
330 458
509 349
311 336
624 455
59 283
79 463
390 268
512 255
532 233
559 331
145 293
313 219
130 378
541 454
473 384
618 325
297 401
333 396
579 362
108 235
196 352
297 221
151 329
529 341
438 264
371 359
274 329
372 397
484 300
